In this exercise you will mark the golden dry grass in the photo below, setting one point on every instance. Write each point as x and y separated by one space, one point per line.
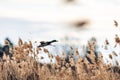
23 67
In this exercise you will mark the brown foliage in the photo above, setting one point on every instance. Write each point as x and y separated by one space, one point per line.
24 67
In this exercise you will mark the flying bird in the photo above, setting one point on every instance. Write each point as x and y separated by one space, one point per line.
115 23
80 24
43 43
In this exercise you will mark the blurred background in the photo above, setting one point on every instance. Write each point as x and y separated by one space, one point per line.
39 20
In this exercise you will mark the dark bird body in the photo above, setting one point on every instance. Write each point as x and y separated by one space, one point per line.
43 43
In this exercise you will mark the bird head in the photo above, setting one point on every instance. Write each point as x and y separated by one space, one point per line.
54 40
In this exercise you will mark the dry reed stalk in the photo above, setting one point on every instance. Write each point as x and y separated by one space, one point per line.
23 67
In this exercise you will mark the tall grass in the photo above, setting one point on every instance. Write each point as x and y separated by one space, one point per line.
23 67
